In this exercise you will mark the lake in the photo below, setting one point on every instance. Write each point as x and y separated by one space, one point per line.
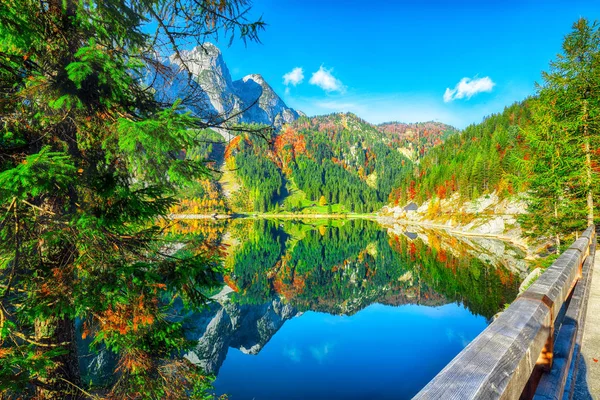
344 309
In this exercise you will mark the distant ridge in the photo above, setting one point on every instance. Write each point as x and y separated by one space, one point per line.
416 139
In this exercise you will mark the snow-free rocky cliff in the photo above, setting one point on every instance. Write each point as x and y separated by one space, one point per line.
251 97
488 215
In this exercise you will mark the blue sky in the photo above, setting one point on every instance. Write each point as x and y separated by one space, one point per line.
395 60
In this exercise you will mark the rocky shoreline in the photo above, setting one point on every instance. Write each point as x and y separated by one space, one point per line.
488 216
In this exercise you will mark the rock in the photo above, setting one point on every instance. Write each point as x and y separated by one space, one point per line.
423 208
511 206
479 205
494 226
532 277
246 327
251 97
269 109
408 276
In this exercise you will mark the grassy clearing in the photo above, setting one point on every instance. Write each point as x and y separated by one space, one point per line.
228 182
297 202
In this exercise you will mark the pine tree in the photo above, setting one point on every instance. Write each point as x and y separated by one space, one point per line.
574 79
552 205
567 118
89 159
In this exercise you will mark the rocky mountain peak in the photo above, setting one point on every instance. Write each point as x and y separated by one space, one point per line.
206 57
256 78
251 97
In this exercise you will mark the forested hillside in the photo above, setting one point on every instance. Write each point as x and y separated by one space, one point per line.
483 158
205 195
330 163
337 160
545 149
416 139
333 163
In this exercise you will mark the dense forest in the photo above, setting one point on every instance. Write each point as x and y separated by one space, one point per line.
90 162
336 159
415 139
483 158
543 150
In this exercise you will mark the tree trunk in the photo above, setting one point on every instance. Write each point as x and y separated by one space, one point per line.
60 330
556 236
588 166
69 362
63 383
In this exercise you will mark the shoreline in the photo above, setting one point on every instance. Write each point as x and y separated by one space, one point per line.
390 222
272 216
385 221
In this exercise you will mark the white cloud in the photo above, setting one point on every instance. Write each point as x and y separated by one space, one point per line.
326 81
293 353
320 353
410 107
294 77
468 87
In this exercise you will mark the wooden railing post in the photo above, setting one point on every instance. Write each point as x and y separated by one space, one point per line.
499 363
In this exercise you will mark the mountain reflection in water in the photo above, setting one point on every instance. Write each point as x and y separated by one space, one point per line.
312 309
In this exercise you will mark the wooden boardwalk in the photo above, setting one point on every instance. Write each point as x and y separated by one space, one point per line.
588 366
531 349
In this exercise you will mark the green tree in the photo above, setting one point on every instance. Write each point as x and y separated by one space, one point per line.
567 117
552 208
574 81
89 159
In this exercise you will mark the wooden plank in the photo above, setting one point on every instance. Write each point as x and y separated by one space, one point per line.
555 284
499 362
553 385
590 232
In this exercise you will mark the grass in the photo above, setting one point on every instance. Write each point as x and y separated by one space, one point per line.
297 198
228 181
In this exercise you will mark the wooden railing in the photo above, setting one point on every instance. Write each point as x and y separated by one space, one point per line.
532 340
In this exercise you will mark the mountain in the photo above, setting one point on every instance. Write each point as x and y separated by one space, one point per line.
251 97
333 163
482 159
338 161
416 139
225 324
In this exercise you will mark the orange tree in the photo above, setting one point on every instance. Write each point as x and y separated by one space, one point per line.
89 159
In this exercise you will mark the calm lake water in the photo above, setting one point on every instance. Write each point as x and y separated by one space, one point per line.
345 309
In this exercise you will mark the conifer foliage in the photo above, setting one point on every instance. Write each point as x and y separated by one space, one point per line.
89 158
483 158
564 138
